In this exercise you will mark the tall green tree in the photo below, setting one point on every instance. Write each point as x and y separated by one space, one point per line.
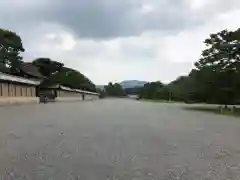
216 78
70 78
151 90
10 49
114 90
47 67
222 57
222 53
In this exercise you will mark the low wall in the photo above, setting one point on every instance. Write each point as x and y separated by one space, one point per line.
18 100
68 99
91 97
75 99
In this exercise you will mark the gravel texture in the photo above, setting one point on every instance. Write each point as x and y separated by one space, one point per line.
117 140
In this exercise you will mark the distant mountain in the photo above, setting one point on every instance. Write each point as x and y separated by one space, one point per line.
132 84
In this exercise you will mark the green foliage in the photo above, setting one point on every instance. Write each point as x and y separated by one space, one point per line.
222 59
222 53
133 91
101 92
70 78
216 79
114 90
151 90
56 73
47 67
10 49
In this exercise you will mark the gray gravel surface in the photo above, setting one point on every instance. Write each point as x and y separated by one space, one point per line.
117 140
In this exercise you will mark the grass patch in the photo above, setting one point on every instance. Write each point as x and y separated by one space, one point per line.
216 110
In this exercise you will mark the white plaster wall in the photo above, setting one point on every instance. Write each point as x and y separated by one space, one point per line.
72 99
68 99
18 100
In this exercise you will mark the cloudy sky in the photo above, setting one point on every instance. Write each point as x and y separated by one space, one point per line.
115 40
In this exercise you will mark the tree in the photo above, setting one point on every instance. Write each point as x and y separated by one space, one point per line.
115 90
56 73
10 49
222 53
216 78
151 90
222 58
46 66
133 91
71 78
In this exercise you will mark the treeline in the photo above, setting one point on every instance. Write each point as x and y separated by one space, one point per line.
53 72
113 90
215 79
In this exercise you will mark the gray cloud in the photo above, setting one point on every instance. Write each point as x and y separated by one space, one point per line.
101 18
106 19
111 40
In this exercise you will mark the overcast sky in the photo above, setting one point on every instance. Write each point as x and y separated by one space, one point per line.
115 40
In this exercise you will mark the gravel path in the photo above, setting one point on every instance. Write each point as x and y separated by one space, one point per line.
117 140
